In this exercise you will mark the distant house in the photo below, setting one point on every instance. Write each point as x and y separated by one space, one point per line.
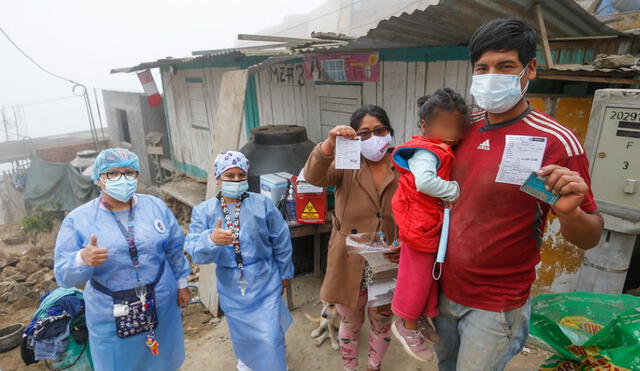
131 122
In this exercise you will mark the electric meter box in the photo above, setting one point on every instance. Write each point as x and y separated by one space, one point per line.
613 149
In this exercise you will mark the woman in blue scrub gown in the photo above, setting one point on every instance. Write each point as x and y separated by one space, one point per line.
257 316
91 247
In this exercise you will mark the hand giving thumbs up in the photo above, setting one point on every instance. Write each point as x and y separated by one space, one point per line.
92 254
221 237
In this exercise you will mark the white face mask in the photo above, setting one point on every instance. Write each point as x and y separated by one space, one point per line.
374 148
496 92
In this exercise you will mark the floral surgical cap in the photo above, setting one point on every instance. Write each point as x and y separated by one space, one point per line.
230 159
112 158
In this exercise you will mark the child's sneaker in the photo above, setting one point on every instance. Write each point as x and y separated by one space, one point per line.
427 330
412 342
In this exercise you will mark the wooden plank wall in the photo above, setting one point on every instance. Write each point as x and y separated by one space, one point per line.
283 100
191 142
284 97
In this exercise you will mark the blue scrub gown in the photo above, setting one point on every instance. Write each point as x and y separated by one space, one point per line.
258 320
158 237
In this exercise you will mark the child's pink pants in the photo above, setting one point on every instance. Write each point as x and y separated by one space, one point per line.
416 292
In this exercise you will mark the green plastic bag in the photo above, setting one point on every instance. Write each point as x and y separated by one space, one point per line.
588 331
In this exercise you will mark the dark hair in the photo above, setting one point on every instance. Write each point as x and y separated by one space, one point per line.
442 100
504 34
373 110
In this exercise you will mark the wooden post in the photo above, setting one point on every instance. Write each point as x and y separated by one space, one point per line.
228 119
543 34
227 126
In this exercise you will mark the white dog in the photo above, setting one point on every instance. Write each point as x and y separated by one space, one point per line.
329 324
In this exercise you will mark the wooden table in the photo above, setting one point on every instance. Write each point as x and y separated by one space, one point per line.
303 230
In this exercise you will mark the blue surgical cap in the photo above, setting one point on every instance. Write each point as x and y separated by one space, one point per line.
112 158
230 159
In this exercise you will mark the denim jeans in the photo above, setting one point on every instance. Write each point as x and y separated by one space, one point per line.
477 339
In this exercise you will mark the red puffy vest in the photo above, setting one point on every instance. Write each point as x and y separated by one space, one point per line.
419 216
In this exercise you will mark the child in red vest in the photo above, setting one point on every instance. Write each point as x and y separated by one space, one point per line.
424 188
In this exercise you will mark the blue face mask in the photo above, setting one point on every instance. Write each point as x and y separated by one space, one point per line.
234 189
498 93
121 189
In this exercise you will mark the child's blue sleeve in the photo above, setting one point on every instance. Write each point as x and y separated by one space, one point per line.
424 167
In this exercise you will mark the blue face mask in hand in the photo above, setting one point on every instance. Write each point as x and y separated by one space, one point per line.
121 189
234 189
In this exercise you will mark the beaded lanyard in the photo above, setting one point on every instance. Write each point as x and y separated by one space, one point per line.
141 288
235 229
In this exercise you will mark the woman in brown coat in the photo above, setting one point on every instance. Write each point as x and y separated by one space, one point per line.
363 205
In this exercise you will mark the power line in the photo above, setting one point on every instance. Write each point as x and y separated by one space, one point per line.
44 101
19 108
76 85
33 60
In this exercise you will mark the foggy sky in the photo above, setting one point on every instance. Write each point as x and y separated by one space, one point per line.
84 39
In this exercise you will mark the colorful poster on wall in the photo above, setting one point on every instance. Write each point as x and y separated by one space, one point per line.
357 67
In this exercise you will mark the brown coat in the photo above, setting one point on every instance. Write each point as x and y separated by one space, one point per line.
359 209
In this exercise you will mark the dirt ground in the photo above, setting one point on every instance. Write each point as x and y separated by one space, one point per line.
209 348
208 345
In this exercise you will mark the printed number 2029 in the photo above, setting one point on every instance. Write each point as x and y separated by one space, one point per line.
621 115
625 165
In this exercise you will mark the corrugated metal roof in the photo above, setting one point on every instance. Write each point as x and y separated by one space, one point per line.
170 60
208 55
452 22
590 68
442 23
